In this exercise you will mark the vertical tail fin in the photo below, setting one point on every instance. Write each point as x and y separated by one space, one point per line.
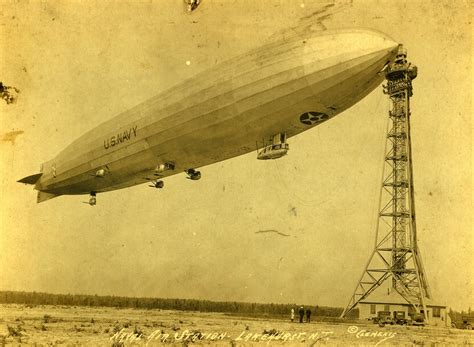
42 196
33 179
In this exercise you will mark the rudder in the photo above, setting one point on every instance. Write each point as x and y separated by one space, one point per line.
42 196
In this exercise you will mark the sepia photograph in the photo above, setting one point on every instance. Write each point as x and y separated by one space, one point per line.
236 173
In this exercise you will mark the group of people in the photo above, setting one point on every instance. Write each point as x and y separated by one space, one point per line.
301 312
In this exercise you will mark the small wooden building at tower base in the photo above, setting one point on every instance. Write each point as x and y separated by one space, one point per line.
369 307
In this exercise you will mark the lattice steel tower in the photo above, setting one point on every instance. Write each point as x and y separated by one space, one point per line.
396 255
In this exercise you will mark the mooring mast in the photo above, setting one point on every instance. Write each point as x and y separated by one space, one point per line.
396 254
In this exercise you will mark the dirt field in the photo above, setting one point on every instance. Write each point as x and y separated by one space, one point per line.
51 325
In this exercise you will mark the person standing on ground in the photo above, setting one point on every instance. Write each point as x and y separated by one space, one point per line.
308 315
301 313
292 314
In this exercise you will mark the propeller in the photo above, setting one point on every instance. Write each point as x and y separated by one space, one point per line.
88 203
157 184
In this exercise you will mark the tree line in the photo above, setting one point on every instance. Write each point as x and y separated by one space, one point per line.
233 307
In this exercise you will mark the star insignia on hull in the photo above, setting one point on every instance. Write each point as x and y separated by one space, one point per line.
310 118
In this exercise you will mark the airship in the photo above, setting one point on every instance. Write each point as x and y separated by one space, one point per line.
252 102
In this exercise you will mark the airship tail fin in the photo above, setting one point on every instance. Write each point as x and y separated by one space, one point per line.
42 196
31 179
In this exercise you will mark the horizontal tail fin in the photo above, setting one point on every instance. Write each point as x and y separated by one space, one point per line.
42 196
31 179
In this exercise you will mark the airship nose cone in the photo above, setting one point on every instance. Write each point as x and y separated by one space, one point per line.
341 67
368 40
336 47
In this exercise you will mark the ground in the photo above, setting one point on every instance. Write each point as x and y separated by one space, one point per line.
51 325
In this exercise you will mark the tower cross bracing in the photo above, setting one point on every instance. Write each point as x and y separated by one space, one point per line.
396 255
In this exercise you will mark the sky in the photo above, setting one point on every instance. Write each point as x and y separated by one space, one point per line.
79 64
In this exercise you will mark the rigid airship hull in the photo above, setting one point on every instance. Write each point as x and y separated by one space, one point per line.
288 86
